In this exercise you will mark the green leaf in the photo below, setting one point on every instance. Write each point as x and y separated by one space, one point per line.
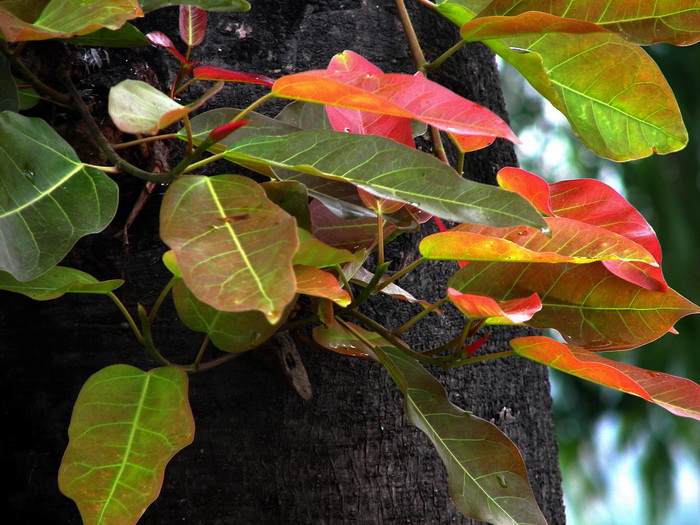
125 36
613 94
391 170
28 97
587 304
230 331
233 245
315 282
208 5
318 254
126 425
9 98
57 281
48 198
304 115
44 19
639 21
292 197
138 107
487 475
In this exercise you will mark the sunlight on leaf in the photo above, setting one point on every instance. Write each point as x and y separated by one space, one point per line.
678 395
515 311
312 281
487 475
126 426
58 281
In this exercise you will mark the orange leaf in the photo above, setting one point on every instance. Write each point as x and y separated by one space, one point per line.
515 311
312 281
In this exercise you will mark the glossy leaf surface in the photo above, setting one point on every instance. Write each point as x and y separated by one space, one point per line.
137 107
193 24
126 36
312 281
487 475
340 339
208 5
57 281
515 311
639 21
347 234
390 170
228 75
126 425
678 395
42 19
162 40
48 198
318 254
587 304
229 331
397 95
233 245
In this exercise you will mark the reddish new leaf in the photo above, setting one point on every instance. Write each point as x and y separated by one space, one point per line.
312 281
228 75
515 311
193 24
677 395
568 241
397 95
587 304
162 40
220 133
535 189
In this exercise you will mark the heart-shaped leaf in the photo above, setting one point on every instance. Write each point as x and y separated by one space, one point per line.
48 198
587 304
44 19
57 281
613 94
397 95
126 425
137 107
390 170
193 24
569 241
487 475
677 395
639 21
312 281
233 245
515 311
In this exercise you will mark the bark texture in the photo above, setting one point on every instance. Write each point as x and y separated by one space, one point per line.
262 455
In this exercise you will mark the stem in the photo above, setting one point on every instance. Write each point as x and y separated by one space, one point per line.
428 3
421 315
188 130
251 107
371 286
105 169
159 301
127 315
459 342
432 66
143 140
346 283
204 367
460 163
204 162
200 354
380 239
413 43
401 273
148 338
438 148
471 360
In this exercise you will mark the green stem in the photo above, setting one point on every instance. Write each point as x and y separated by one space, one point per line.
459 342
127 315
105 169
200 354
421 315
148 338
204 162
159 301
432 66
380 239
438 147
401 273
471 360
371 286
205 367
413 43
346 283
460 163
188 130
251 107
143 140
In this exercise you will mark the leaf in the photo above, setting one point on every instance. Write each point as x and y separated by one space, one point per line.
44 19
208 5
137 107
234 247
570 241
364 276
9 98
28 97
228 75
679 396
398 95
58 281
340 339
304 115
193 25
126 426
312 281
232 332
587 304
48 198
351 235
487 475
515 311
613 94
162 40
293 198
126 36
318 254
639 21
390 170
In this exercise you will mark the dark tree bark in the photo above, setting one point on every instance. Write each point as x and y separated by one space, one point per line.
261 454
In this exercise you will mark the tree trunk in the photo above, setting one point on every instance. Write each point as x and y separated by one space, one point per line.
262 454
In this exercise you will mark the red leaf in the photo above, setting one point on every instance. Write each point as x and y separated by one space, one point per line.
161 40
677 395
394 94
515 311
472 348
535 189
377 204
362 122
193 23
312 281
221 132
228 75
